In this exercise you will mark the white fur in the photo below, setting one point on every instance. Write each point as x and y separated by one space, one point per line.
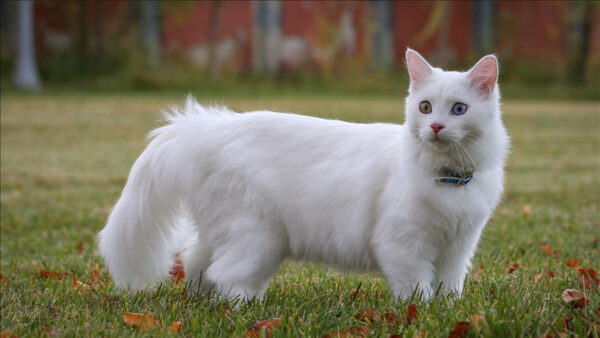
258 187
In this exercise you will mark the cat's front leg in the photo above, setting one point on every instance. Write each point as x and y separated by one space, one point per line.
406 260
454 260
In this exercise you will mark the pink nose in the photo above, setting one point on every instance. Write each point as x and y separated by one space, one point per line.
437 127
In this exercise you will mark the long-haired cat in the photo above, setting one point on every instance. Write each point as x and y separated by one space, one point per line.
407 200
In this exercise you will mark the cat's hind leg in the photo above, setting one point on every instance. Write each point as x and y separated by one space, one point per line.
196 260
246 257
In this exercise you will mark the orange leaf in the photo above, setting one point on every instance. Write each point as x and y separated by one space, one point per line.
512 267
95 278
588 277
411 313
476 319
6 334
175 327
357 292
50 274
143 321
548 274
526 210
575 297
177 271
572 263
262 328
460 330
546 248
354 331
368 315
77 284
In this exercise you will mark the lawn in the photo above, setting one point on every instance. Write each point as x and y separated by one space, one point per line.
64 161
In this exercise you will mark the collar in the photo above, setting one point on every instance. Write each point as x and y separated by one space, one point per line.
454 178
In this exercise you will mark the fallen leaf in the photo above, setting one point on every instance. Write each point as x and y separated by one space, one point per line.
357 292
143 321
368 315
575 297
177 271
512 267
6 334
2 278
572 263
421 334
460 330
391 319
411 313
477 273
175 327
566 323
546 248
77 284
263 328
526 210
476 319
50 274
49 331
80 247
548 274
588 277
95 278
354 331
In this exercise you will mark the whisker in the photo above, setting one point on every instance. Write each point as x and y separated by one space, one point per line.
468 157
459 156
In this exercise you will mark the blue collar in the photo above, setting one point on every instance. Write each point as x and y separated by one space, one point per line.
454 178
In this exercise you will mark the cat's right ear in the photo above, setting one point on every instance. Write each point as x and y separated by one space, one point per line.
418 68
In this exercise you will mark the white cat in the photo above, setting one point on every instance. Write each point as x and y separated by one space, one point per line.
407 200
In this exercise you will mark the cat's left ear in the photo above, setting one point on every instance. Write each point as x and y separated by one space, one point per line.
484 74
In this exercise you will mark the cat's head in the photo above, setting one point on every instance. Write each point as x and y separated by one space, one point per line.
446 107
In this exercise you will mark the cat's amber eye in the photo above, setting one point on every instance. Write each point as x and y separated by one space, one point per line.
459 108
425 107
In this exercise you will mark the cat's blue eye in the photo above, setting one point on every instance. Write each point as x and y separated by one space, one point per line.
459 108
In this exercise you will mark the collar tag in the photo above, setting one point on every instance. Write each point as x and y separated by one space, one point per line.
454 178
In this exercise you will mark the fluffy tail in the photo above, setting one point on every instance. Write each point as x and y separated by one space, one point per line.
143 229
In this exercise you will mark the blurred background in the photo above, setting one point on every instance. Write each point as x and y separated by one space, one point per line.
546 48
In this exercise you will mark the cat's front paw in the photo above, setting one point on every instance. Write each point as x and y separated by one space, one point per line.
404 292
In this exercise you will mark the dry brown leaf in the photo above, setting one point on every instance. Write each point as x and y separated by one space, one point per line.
526 210
354 331
95 279
175 327
391 319
80 247
354 293
575 297
50 274
512 267
6 334
546 248
548 274
421 334
263 328
143 321
460 329
588 277
411 313
2 278
476 319
367 315
572 263
177 271
77 284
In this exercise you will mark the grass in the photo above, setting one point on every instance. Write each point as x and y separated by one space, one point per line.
64 160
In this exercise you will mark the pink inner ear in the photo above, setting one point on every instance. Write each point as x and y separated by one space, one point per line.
484 74
418 68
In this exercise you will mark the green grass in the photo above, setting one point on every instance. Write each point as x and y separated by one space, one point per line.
64 160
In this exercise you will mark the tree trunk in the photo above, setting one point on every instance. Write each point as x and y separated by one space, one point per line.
26 74
150 30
